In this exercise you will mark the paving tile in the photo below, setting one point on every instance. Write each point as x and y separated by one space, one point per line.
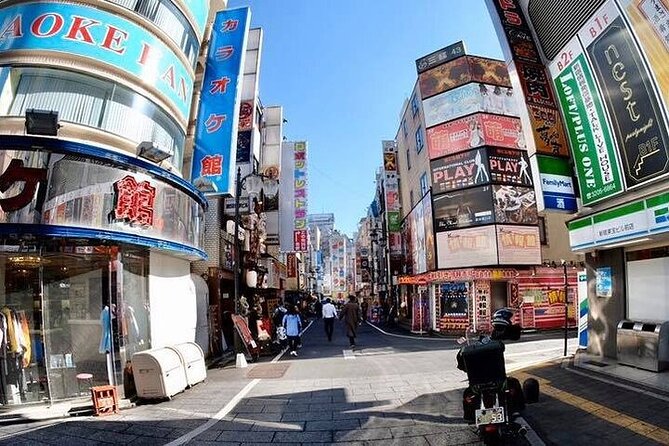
307 416
363 435
332 425
303 437
246 437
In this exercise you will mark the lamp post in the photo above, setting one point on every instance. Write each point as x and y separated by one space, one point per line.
254 187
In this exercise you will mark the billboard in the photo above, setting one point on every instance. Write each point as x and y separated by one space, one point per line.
300 237
518 245
593 148
214 151
293 210
474 131
462 71
557 186
515 204
428 217
463 208
468 99
459 171
467 247
634 108
541 116
509 166
441 56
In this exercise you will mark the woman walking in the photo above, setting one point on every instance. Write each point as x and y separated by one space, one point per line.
293 325
350 314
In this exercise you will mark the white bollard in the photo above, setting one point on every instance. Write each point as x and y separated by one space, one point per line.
241 361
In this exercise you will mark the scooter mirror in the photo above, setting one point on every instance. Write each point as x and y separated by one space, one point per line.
462 340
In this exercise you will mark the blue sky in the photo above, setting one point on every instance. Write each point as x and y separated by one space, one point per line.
342 69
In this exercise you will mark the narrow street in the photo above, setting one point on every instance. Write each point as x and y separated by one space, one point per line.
389 390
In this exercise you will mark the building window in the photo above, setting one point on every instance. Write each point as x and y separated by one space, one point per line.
411 198
543 238
419 140
408 158
170 19
414 106
404 128
423 184
92 102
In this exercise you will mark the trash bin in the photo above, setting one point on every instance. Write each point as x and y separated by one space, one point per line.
192 360
158 373
643 344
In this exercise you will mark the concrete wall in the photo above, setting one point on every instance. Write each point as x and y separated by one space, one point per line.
558 239
605 312
173 301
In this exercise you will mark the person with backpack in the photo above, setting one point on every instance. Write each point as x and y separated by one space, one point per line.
293 325
277 321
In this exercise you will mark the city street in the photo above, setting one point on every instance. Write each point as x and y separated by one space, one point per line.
391 389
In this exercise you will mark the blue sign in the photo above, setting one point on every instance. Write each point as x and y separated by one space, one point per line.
84 31
200 10
603 286
559 202
215 150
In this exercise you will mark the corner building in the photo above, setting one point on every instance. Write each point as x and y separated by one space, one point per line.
98 225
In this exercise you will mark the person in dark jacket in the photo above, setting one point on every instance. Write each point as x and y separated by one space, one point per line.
350 314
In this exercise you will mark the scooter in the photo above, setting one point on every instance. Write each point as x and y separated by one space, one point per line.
493 401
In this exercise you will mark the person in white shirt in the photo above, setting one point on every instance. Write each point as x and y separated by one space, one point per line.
329 316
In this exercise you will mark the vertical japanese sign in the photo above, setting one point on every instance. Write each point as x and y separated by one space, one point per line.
529 74
214 153
300 236
593 151
633 106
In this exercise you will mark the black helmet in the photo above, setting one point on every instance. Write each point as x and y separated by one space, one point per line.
502 317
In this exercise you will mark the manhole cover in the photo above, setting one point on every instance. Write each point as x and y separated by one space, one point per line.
268 371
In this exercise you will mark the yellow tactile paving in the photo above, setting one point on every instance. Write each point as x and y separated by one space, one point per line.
632 424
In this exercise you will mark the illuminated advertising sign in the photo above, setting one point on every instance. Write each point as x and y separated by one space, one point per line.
509 166
593 148
468 99
102 37
557 185
463 208
459 171
462 71
633 106
474 131
428 217
467 247
300 239
514 204
214 151
518 245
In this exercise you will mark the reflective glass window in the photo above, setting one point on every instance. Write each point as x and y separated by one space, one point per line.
93 102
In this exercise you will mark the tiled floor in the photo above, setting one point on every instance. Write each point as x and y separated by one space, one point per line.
608 366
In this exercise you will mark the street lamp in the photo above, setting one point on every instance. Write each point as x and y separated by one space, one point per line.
253 183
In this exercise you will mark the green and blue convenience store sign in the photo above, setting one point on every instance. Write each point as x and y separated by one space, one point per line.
628 222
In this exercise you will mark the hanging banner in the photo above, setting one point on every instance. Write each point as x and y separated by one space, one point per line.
634 108
214 151
474 131
459 171
593 148
464 208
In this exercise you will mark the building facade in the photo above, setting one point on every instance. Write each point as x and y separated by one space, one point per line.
98 224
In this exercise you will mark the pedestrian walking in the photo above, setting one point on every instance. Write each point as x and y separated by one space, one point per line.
329 315
350 314
293 325
277 321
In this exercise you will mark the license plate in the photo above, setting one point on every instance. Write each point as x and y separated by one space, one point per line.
494 415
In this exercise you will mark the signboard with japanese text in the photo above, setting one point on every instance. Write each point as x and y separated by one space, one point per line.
214 151
557 185
428 220
120 203
291 265
468 99
515 205
441 56
463 208
459 171
300 239
462 71
394 221
418 239
541 119
474 131
103 38
509 166
518 245
593 148
467 247
629 93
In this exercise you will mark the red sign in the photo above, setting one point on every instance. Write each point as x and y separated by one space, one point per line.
474 131
134 201
291 262
17 173
300 240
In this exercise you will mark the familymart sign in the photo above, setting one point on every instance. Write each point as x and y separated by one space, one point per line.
633 220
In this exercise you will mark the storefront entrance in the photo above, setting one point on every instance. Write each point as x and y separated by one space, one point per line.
67 311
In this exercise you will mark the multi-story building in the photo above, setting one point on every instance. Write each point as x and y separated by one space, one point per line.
603 65
474 240
98 224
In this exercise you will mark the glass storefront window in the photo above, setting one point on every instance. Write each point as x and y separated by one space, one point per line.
92 102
